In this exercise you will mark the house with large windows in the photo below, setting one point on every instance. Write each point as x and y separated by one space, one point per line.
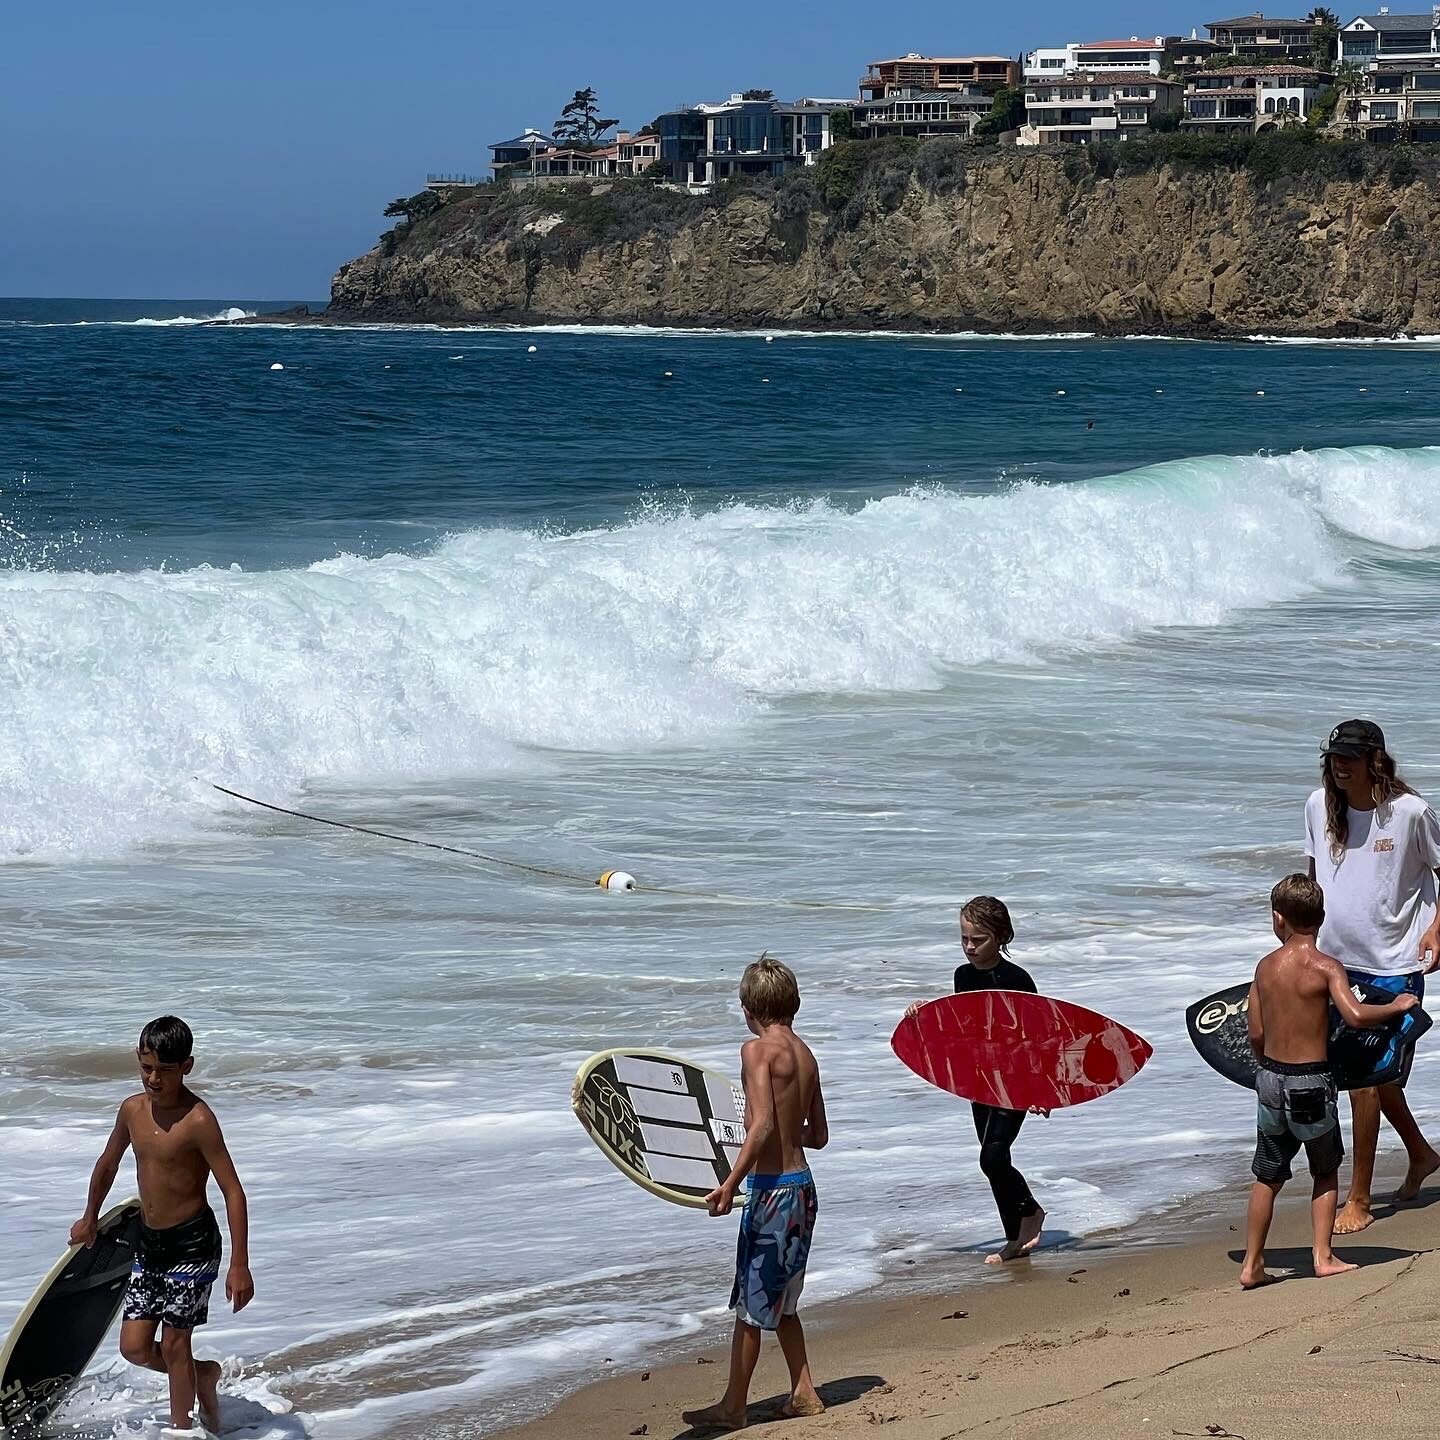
1249 99
520 151
928 72
705 143
1384 38
1400 101
917 113
1264 39
1079 108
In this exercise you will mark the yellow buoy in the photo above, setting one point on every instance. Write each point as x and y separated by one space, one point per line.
616 880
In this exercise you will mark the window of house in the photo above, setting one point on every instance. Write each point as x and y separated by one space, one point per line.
1384 110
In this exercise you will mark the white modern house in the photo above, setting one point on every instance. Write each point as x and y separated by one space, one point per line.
1384 38
1139 54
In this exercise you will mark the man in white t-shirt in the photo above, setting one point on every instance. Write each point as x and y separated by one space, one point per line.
1374 847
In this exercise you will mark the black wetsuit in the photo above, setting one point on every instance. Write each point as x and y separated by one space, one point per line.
997 1129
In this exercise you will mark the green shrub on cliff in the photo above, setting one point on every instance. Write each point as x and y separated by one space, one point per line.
1293 151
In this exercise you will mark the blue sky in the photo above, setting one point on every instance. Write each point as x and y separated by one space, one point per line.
243 150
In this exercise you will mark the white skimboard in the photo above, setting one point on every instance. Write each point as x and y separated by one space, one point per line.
672 1127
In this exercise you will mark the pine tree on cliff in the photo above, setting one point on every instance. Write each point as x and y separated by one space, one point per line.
580 123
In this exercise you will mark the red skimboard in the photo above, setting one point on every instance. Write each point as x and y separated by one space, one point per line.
1016 1050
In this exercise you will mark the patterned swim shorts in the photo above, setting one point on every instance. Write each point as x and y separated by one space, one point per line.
775 1231
174 1270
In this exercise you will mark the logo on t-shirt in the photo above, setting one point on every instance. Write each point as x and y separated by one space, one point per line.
1384 845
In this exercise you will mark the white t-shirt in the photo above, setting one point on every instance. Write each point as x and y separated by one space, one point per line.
1380 898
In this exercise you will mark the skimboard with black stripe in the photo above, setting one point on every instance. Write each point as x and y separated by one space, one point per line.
672 1127
65 1323
1219 1030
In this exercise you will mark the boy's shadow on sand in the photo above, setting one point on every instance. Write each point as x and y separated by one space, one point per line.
1297 1258
832 1392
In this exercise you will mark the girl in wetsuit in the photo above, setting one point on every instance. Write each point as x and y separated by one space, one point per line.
985 931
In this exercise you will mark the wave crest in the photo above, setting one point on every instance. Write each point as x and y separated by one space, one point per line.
124 686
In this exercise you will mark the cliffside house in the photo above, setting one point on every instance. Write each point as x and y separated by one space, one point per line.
1400 100
928 72
705 143
636 152
1094 105
537 156
1191 54
918 113
1137 55
1264 38
1249 99
1370 40
519 151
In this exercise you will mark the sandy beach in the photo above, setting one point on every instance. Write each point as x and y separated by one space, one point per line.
1107 1338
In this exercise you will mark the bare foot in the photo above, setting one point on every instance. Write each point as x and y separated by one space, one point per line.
800 1405
1009 1251
1030 1228
1418 1173
207 1391
1255 1279
714 1417
1354 1217
1332 1266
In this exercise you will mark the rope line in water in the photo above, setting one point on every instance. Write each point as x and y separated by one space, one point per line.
551 874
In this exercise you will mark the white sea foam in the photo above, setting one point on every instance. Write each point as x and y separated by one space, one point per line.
122 687
231 312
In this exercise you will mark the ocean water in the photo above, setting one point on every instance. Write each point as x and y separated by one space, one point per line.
882 621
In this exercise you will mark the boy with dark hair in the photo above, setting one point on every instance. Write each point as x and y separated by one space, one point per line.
178 1146
1289 1018
784 1112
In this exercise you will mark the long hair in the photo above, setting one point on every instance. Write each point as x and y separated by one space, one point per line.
990 915
1385 785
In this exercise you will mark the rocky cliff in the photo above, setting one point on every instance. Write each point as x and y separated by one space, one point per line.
1313 239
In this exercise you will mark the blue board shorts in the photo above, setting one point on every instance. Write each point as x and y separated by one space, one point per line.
1411 984
775 1230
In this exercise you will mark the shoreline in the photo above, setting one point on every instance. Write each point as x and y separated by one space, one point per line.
1152 1326
302 317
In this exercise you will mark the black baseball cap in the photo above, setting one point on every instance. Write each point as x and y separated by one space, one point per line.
1354 738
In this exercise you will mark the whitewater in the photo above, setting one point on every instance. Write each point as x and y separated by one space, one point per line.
896 652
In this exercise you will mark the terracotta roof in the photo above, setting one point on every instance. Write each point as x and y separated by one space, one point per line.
944 60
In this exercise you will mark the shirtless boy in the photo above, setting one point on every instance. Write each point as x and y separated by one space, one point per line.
1290 1033
784 1113
178 1146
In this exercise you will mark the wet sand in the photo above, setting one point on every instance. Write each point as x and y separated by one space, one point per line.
1106 1338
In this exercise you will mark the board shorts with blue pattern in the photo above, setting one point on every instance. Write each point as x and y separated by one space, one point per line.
1411 983
174 1270
775 1230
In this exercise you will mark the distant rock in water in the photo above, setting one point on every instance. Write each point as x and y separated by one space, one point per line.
296 314
1283 235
